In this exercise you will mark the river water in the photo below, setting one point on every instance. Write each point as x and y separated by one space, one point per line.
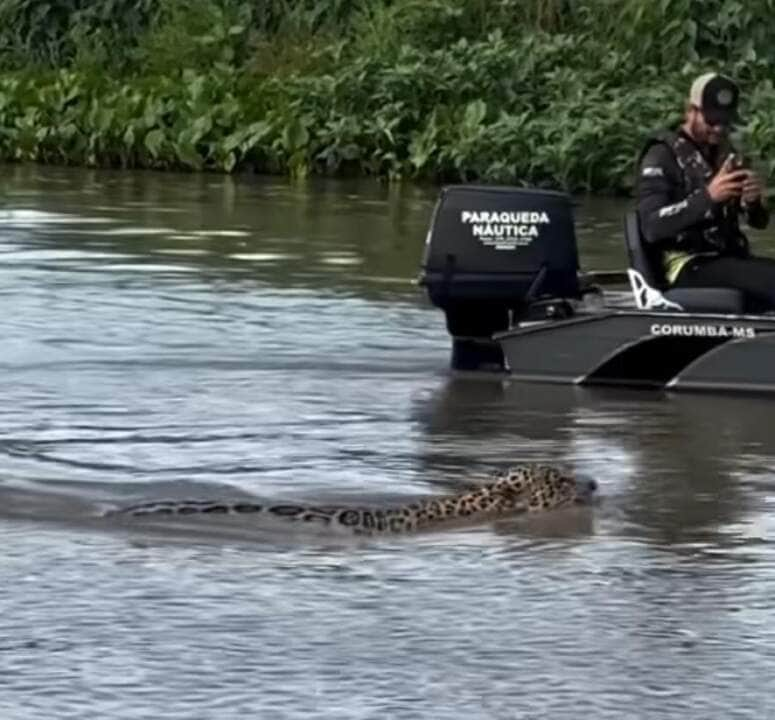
185 335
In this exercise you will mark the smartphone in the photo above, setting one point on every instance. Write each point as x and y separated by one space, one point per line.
735 161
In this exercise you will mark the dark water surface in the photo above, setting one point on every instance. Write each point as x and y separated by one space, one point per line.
170 336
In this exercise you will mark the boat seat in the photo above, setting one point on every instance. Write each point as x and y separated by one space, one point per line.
650 288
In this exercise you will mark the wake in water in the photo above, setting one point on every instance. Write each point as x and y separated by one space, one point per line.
233 515
522 489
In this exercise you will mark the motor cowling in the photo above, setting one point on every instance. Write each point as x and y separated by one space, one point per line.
492 252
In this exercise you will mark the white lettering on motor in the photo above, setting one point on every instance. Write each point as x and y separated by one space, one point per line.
505 229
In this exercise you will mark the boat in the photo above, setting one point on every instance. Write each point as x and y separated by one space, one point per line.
502 264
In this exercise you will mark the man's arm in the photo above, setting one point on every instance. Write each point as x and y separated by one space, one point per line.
659 183
756 213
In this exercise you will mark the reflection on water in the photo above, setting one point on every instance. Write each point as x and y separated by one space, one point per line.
689 467
177 336
308 235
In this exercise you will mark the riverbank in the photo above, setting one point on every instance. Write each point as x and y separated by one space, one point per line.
442 91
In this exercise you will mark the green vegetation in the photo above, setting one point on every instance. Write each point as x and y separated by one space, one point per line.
543 92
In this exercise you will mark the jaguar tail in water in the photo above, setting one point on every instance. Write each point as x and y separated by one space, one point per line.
521 489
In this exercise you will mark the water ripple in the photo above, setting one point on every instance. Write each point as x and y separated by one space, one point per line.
278 350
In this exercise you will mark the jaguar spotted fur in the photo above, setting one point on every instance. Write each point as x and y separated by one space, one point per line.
521 489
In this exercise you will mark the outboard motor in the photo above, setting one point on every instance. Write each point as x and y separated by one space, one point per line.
493 256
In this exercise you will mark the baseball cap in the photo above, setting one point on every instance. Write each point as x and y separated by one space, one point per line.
717 96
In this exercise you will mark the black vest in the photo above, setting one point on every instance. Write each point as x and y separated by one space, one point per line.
720 232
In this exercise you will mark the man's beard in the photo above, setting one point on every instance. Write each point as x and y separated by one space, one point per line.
703 133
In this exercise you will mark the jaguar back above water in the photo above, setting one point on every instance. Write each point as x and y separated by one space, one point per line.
518 490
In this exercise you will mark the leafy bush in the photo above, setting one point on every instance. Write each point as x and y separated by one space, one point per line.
56 32
546 92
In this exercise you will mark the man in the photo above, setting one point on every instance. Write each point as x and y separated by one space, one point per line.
692 189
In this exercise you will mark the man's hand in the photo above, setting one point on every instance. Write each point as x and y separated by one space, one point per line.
727 183
753 189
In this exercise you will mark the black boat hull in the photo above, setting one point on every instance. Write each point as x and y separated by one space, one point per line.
677 351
